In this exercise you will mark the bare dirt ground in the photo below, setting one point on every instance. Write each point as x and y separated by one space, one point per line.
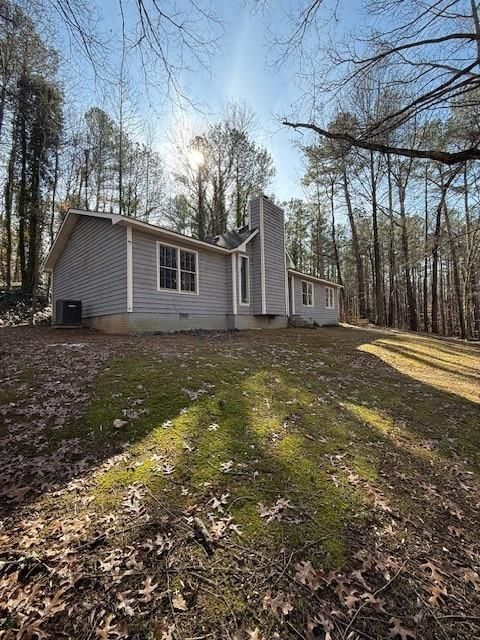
289 484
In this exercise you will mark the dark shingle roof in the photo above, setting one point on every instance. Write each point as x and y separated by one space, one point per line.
230 239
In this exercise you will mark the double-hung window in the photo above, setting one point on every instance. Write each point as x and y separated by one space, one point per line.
307 293
329 298
244 280
177 269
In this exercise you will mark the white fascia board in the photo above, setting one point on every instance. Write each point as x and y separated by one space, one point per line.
243 247
178 238
306 276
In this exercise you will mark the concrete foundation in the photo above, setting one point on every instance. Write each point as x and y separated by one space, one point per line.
141 323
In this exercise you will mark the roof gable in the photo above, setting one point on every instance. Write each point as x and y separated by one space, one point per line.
226 243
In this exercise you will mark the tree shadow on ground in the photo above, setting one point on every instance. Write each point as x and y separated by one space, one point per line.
127 382
297 422
432 362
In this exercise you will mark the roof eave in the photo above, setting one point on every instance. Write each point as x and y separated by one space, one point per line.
307 276
167 233
72 216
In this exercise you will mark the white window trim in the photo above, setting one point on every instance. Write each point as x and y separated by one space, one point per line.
178 290
309 284
333 298
243 304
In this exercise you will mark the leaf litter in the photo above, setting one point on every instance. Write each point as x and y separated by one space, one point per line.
93 571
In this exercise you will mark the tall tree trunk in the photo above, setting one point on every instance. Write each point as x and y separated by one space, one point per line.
362 308
201 222
22 204
87 169
51 226
391 250
9 185
54 196
3 95
411 302
379 300
436 242
426 323
34 224
444 185
442 299
456 273
335 248
469 279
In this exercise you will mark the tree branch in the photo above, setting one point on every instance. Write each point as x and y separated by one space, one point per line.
444 157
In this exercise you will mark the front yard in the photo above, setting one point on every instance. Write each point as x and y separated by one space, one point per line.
289 484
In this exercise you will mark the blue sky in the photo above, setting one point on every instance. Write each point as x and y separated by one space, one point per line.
239 72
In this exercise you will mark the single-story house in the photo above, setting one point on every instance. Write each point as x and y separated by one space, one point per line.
135 277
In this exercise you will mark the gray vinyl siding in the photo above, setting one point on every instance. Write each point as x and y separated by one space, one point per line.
318 313
274 256
228 270
274 239
214 287
93 268
255 263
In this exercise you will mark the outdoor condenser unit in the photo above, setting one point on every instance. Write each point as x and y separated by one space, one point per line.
68 312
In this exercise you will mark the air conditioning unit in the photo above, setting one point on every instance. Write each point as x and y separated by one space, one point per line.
68 312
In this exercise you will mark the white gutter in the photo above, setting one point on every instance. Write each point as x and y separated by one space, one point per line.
306 276
160 231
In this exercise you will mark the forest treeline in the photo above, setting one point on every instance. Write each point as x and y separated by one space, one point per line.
400 233
99 160
408 253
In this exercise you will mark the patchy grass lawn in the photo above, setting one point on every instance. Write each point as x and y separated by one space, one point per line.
286 484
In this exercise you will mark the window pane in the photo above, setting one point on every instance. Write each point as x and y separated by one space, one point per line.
307 293
168 256
187 281
168 278
187 261
188 269
244 280
329 300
